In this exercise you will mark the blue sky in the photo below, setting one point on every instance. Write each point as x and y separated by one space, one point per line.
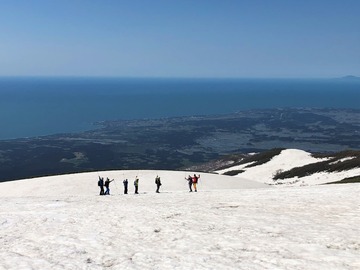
198 38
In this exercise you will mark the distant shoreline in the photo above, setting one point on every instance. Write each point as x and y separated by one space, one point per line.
42 106
93 127
172 78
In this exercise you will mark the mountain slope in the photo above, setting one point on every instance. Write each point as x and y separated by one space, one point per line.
268 228
59 222
295 167
86 183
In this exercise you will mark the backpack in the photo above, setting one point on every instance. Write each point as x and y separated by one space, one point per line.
99 183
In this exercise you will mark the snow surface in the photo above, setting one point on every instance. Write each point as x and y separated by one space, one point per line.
86 183
61 223
286 160
342 160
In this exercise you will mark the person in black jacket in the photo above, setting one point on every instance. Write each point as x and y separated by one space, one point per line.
136 184
125 182
190 182
158 184
101 185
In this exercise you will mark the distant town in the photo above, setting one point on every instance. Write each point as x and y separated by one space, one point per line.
180 142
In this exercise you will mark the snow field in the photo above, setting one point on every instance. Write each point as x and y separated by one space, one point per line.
292 228
86 183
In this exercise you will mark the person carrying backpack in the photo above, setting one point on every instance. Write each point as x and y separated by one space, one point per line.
190 182
101 185
158 184
136 184
195 180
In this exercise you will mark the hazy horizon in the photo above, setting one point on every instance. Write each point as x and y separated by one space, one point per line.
180 39
345 76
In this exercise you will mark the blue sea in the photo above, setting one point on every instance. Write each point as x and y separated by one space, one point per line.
43 106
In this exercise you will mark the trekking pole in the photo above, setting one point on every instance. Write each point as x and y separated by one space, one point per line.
116 185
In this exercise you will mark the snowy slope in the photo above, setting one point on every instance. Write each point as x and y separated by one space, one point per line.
44 224
60 222
286 160
86 183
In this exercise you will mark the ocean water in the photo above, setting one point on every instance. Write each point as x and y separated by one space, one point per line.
42 106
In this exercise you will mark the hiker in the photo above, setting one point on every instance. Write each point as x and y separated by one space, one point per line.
136 184
101 185
158 183
190 182
107 184
125 182
195 180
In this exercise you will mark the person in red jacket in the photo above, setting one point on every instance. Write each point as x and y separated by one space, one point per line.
195 180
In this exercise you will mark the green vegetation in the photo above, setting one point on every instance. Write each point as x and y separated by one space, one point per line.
337 162
355 179
202 143
234 172
262 158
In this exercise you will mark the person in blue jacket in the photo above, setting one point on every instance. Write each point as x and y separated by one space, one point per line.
107 185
